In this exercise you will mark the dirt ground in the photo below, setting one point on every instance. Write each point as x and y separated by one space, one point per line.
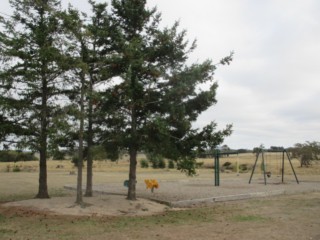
294 217
99 205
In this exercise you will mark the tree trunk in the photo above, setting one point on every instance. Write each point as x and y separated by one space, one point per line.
133 156
43 188
89 142
132 175
89 172
89 162
79 199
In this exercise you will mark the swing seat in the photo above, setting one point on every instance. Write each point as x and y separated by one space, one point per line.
126 183
268 174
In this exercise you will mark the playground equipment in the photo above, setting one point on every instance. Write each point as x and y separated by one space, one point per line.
217 155
263 165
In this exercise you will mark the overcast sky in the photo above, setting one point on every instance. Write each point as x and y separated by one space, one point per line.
270 92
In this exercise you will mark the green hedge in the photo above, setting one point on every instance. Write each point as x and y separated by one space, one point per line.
15 156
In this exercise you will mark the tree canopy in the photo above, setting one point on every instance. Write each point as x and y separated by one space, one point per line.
157 97
306 152
34 64
117 79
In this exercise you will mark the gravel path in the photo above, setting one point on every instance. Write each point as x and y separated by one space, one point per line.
190 192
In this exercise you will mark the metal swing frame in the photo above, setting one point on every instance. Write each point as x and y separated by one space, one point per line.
217 154
261 152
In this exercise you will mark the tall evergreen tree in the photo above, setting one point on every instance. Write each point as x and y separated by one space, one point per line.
74 25
33 70
100 71
152 105
93 36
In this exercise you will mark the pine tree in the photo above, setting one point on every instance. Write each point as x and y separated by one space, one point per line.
100 72
33 73
76 34
94 37
152 105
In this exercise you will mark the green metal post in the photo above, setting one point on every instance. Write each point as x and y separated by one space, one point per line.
282 169
216 169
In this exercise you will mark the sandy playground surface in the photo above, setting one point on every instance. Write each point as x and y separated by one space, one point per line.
100 205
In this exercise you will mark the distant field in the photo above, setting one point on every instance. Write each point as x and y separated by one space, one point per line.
273 163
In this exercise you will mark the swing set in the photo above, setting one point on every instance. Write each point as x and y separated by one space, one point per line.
264 169
217 155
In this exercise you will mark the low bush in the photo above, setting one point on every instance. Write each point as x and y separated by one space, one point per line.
75 161
170 164
99 153
228 166
199 164
16 168
16 156
59 155
162 163
144 163
7 156
156 160
244 168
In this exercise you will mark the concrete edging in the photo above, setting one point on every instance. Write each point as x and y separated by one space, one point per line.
194 202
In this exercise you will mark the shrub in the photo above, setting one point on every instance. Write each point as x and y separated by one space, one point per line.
306 152
7 156
171 164
162 163
228 166
199 164
15 156
244 168
16 168
144 163
58 155
156 160
99 153
75 160
187 166
23 156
